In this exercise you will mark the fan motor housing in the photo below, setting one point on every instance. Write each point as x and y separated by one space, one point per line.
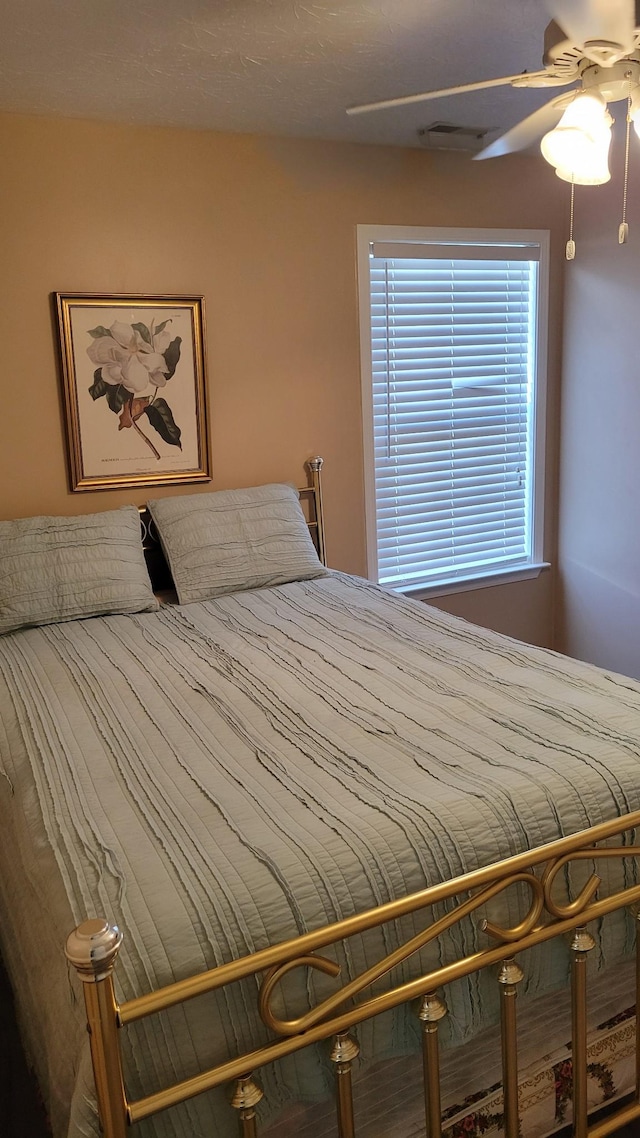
616 82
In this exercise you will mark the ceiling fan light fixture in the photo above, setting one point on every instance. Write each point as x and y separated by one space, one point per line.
578 147
594 43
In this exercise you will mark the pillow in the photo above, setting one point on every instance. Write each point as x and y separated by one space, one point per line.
55 569
235 539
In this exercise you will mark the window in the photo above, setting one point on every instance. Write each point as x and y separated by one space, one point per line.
453 353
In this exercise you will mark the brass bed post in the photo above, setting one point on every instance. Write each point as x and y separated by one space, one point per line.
432 1010
315 466
581 944
92 949
637 923
509 975
344 1051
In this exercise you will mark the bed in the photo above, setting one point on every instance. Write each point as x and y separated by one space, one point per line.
299 747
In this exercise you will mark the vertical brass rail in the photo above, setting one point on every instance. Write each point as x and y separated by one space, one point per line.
581 944
245 1097
509 975
92 949
432 1010
344 1051
315 466
637 918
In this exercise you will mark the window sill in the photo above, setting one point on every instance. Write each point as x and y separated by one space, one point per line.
465 584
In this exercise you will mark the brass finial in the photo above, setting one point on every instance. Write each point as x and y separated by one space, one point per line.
432 1008
92 949
510 972
345 1049
582 940
246 1093
315 463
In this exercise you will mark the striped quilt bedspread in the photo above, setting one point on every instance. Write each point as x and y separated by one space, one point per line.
220 776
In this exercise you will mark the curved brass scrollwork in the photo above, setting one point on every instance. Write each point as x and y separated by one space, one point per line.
354 987
515 932
589 890
586 894
274 975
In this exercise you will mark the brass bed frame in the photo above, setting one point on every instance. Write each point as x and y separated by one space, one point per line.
93 947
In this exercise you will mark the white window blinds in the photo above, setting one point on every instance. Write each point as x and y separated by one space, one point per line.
453 361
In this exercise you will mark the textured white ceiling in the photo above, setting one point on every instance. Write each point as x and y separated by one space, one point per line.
269 66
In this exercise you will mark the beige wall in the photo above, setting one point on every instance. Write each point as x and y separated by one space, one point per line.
264 228
599 588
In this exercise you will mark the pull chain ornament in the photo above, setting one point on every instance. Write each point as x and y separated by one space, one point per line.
570 250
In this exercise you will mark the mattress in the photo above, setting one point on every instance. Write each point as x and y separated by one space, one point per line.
220 776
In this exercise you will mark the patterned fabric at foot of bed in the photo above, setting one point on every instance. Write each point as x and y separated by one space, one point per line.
545 1093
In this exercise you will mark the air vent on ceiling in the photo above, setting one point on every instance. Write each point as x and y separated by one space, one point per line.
448 136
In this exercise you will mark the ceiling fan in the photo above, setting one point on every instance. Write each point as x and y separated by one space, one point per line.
594 43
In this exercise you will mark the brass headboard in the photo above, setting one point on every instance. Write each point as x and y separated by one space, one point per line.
311 501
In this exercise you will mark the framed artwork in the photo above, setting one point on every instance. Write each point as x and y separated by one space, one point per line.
133 374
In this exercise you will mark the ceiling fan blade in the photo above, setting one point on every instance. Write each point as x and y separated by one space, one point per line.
529 130
587 20
405 100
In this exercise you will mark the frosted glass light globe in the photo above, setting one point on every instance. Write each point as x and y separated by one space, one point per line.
594 172
579 146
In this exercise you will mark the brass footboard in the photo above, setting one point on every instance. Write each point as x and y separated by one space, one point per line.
94 945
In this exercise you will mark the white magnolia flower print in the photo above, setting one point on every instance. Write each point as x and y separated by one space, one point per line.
133 362
126 358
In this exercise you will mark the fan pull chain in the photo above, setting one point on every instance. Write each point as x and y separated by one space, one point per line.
623 231
570 250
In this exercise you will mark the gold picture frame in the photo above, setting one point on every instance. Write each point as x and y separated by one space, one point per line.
133 378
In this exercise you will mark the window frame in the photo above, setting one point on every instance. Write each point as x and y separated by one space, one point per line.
464 238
